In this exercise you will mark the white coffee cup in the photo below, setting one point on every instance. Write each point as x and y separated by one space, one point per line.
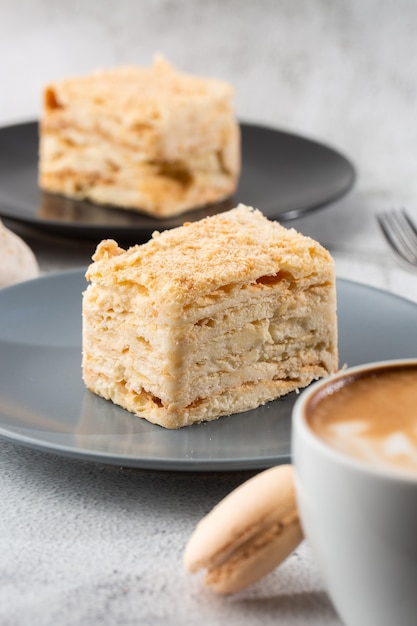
359 516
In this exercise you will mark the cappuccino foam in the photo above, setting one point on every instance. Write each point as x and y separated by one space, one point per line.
371 416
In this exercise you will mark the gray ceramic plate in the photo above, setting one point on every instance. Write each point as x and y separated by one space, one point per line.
44 405
284 175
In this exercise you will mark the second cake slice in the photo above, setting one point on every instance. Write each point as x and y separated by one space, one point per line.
212 318
149 139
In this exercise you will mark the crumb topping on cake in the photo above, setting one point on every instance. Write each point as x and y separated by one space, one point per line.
199 257
135 92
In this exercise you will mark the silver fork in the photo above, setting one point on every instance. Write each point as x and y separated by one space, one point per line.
401 234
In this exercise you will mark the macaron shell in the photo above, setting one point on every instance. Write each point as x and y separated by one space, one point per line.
260 501
248 533
256 560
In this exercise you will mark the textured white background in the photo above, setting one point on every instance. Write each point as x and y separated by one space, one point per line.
340 71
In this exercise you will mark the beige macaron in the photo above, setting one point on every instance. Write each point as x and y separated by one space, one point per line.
18 262
248 534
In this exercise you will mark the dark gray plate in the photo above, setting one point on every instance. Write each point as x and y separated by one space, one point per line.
43 402
283 175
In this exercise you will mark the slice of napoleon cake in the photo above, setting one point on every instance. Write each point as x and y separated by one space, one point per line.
149 139
212 318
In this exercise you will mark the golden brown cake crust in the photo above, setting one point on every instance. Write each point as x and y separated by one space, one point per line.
238 246
142 93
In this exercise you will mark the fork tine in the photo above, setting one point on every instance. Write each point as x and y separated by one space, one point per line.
410 222
401 234
405 235
388 226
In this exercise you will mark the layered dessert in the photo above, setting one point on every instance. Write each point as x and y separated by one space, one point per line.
212 318
150 139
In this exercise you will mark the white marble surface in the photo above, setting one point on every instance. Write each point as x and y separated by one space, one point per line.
85 544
